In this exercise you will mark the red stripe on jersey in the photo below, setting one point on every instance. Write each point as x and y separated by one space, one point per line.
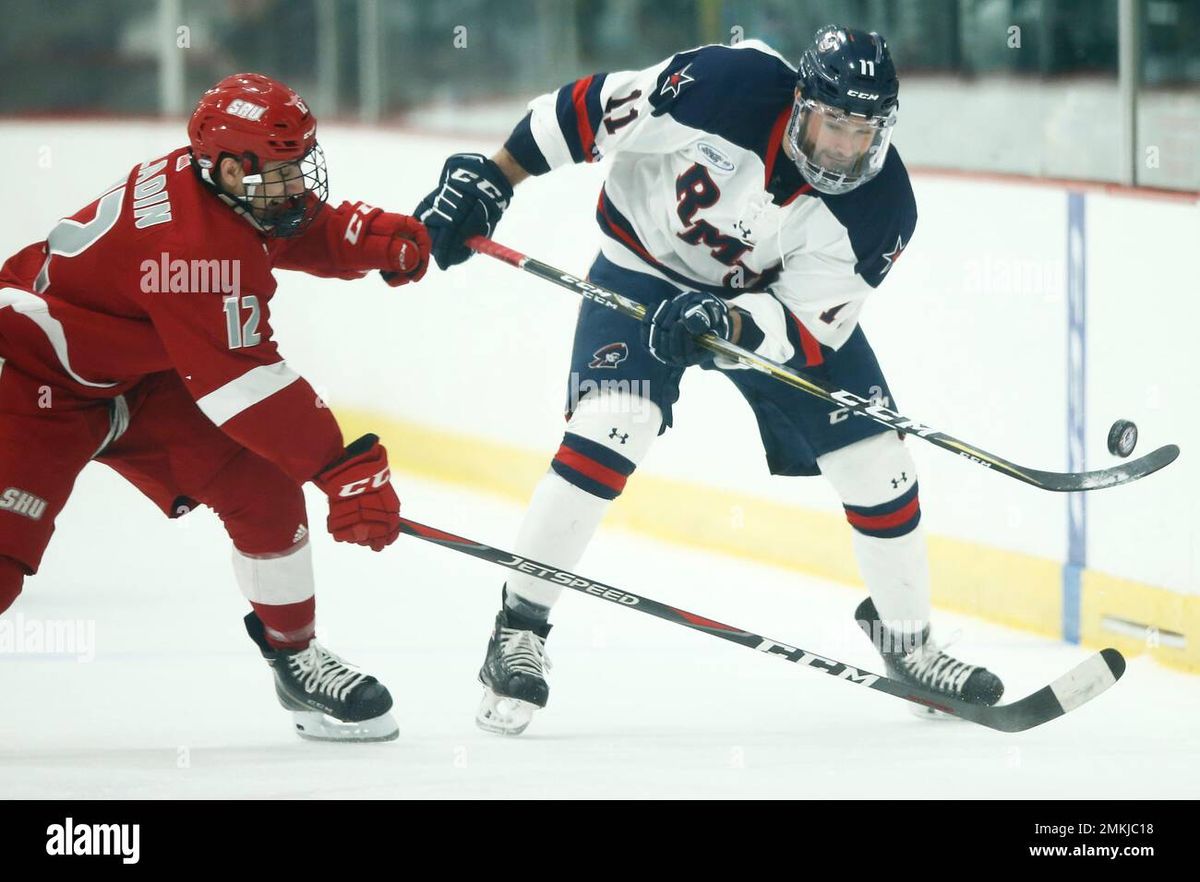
585 465
775 142
883 522
808 344
629 240
579 98
807 188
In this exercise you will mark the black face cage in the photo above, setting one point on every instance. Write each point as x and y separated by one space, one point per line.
282 214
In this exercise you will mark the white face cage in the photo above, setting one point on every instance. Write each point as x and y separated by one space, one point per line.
836 151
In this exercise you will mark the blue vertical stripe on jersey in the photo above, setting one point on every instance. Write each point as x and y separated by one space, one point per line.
579 113
564 110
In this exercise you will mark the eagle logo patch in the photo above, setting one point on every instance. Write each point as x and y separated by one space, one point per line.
609 356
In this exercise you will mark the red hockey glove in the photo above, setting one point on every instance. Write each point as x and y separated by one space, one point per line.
395 244
363 506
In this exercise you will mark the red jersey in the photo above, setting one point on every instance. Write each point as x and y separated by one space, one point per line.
160 273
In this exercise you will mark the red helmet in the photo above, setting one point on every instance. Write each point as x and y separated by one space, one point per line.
258 120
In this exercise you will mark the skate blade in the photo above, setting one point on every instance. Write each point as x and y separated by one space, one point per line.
928 713
503 715
316 726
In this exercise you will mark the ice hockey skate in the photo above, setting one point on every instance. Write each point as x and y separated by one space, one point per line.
330 700
513 676
918 660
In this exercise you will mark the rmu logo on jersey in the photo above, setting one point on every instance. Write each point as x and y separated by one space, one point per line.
609 356
244 109
22 502
718 159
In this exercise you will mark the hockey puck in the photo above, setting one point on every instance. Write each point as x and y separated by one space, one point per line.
1122 438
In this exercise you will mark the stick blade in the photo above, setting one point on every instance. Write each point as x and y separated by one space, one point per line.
1066 482
1073 689
1085 682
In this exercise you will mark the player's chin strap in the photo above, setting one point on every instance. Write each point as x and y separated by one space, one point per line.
232 201
841 398
245 213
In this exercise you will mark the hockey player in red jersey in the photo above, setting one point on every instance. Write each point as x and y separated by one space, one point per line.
138 335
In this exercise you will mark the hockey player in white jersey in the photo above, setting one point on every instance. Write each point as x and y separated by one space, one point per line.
755 200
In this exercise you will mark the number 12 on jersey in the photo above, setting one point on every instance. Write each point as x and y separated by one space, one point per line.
242 334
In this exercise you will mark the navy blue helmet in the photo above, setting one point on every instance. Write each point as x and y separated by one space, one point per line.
846 102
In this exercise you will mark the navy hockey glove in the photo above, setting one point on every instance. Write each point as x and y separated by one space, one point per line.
671 334
469 201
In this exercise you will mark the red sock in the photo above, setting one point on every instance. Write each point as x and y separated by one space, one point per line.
289 625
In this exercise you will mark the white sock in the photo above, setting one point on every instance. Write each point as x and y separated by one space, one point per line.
558 525
896 572
607 436
878 474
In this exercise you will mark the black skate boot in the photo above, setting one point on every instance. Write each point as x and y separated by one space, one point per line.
330 700
918 660
513 674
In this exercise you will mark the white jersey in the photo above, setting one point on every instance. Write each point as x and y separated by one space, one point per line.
701 193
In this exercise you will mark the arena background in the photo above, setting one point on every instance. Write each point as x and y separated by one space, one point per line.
1049 290
1009 111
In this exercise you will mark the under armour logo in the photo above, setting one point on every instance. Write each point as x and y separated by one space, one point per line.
903 479
623 436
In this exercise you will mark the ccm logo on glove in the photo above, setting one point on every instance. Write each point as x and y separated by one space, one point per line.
395 244
469 201
357 222
377 480
363 506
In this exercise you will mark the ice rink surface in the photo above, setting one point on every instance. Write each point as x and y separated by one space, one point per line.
172 700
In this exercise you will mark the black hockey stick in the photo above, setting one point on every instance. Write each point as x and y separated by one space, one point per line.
1077 686
1058 481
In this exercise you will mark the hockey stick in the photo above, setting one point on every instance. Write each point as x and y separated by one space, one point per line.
1079 685
1057 481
